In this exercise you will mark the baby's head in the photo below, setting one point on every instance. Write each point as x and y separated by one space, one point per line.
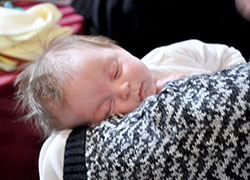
80 80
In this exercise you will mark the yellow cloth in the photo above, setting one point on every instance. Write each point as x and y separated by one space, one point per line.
24 33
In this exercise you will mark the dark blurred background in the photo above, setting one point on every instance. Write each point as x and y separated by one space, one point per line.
141 25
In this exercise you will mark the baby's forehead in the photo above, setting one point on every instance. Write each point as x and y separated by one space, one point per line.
71 57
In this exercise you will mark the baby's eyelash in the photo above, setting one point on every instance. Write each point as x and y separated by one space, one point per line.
117 72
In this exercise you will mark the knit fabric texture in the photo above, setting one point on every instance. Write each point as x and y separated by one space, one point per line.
195 128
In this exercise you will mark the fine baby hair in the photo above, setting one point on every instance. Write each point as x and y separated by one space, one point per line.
40 83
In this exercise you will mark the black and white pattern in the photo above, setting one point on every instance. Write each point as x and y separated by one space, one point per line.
196 128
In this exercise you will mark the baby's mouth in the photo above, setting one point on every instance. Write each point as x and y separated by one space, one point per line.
141 92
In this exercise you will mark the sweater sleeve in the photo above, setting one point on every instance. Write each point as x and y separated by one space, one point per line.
52 156
194 56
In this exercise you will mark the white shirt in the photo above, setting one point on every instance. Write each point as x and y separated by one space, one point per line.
192 57
52 155
188 57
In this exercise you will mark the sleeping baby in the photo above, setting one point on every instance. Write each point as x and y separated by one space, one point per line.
82 80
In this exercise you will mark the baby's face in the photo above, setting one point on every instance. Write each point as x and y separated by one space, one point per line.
104 81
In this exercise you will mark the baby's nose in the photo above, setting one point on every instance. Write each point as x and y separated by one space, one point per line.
123 90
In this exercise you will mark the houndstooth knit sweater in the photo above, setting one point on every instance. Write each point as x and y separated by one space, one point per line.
195 128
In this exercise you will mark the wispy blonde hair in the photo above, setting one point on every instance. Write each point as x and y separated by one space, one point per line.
41 81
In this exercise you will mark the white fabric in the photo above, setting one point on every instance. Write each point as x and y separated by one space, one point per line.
188 57
52 156
22 33
192 57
